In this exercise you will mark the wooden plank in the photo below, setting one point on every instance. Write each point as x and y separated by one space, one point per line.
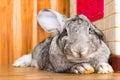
27 23
3 40
58 5
17 29
62 6
12 73
9 14
34 28
67 8
5 30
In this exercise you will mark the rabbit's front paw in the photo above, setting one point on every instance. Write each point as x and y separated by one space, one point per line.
83 68
104 68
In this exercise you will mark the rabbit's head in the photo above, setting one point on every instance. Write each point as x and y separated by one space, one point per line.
78 36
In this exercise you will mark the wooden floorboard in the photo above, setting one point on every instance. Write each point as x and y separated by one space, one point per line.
12 73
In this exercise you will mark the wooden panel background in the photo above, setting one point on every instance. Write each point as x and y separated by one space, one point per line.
19 31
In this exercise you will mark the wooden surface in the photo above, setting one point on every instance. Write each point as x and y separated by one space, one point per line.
19 31
11 73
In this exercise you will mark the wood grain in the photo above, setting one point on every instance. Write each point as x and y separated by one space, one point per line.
5 30
12 73
19 31
27 21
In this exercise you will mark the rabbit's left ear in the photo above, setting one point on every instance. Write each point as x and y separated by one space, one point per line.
51 21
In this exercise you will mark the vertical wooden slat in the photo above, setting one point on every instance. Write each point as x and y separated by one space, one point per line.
5 30
3 40
67 8
17 29
34 28
58 5
10 31
3 33
27 21
25 26
61 6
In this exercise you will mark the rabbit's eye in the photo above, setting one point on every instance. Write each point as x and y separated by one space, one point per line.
91 30
65 32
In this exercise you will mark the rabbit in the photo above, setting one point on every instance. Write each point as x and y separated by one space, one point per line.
77 46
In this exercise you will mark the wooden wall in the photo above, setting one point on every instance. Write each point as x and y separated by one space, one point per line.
19 31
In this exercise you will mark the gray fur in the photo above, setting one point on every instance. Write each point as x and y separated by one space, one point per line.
76 47
79 39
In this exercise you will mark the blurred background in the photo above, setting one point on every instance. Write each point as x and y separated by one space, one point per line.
19 31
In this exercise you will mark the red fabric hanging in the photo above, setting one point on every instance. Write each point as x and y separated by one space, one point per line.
93 9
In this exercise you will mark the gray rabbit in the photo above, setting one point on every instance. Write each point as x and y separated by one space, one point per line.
76 46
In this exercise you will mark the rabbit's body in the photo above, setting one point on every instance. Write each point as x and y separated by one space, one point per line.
77 46
41 53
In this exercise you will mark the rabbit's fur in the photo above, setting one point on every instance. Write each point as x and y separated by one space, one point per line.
77 46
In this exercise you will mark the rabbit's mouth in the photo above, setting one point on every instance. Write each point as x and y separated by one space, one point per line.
76 54
77 57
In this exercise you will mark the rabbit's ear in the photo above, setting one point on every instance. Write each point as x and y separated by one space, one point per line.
51 21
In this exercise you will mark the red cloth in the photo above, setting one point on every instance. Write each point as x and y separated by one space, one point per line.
93 9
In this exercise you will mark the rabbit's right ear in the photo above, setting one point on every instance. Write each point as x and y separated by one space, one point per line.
51 21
